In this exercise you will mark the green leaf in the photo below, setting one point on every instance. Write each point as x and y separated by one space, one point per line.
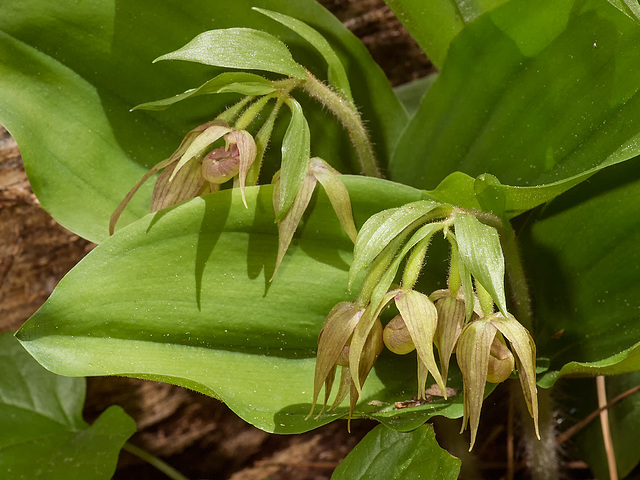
512 74
229 82
411 93
66 90
580 255
385 453
624 422
241 48
296 153
337 75
204 315
42 433
434 24
481 252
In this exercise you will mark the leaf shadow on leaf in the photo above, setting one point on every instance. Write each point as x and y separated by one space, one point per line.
313 230
213 221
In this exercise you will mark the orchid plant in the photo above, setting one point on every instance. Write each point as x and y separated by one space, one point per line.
444 220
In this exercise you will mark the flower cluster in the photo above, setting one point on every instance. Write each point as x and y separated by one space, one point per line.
461 320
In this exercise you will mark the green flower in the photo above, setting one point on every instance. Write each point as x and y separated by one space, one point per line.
482 357
329 178
193 170
334 345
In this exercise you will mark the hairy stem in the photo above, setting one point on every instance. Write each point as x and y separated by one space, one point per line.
350 118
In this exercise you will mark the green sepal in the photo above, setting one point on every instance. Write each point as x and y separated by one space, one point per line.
481 252
296 150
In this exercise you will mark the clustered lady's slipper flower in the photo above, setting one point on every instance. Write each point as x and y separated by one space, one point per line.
192 170
334 345
483 356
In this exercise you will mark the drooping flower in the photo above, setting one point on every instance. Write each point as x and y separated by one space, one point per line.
193 170
334 344
318 171
482 357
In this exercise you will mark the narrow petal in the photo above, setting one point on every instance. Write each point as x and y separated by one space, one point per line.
421 317
472 353
123 204
338 195
248 151
289 223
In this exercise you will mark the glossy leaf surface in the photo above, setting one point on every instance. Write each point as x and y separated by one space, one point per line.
42 433
184 296
506 80
385 453
71 71
581 256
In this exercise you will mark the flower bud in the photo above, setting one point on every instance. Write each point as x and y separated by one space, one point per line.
397 338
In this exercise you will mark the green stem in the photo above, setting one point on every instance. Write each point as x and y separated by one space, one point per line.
233 111
350 119
165 468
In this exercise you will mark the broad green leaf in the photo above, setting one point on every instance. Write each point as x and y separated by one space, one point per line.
296 153
411 93
204 315
481 252
386 454
241 48
435 23
229 82
624 422
42 433
529 100
581 255
71 71
336 74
